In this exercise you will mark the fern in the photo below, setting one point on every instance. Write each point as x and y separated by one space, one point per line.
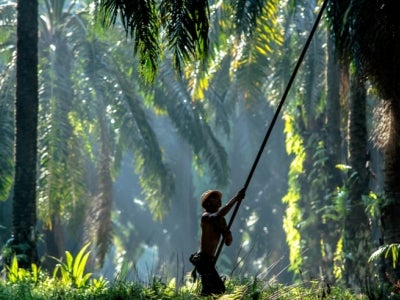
388 252
73 269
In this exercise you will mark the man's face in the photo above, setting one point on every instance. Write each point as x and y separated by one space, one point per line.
214 203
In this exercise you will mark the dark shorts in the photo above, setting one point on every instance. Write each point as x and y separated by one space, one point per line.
210 280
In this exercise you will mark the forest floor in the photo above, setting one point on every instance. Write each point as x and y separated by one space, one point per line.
44 288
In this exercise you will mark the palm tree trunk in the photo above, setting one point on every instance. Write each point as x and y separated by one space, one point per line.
391 211
356 245
333 117
26 111
334 146
104 223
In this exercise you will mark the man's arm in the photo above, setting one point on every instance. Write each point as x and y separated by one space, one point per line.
228 237
224 210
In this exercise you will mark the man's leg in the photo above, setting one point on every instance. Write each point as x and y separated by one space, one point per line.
211 282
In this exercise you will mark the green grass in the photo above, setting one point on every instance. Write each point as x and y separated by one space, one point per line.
47 287
70 281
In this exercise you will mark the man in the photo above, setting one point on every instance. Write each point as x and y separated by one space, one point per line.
213 225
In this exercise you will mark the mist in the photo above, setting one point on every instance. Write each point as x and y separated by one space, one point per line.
122 164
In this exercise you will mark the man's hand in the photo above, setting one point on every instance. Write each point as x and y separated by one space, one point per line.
241 194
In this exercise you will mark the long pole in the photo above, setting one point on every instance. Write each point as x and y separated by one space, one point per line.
275 117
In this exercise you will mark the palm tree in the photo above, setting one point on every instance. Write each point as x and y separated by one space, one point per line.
26 112
119 130
310 121
356 242
186 24
367 33
63 130
56 139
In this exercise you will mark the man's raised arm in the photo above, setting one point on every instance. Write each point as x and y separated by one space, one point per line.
239 196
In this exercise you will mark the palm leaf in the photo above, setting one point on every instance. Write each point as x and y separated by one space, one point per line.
191 121
7 94
247 13
6 131
137 133
186 24
140 19
388 252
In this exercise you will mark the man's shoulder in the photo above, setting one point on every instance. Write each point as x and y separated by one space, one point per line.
207 216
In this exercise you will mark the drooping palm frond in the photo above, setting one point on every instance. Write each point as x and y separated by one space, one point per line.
92 115
57 196
186 24
7 130
296 22
132 131
241 62
192 123
246 15
253 66
7 95
141 20
313 69
62 185
136 133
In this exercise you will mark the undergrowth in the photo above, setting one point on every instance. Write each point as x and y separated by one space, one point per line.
47 287
70 281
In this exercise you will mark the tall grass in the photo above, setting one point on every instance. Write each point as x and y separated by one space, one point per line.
70 281
48 287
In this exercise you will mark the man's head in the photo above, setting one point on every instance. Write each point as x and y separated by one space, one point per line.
211 200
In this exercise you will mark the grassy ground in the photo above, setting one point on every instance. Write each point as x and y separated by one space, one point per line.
46 287
70 281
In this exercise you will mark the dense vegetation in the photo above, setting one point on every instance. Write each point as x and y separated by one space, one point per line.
69 281
51 289
121 163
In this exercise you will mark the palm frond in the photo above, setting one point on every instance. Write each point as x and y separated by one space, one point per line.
247 13
58 143
8 13
7 130
132 129
136 133
389 252
191 121
254 64
186 24
141 20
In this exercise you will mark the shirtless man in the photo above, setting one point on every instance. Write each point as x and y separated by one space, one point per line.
213 225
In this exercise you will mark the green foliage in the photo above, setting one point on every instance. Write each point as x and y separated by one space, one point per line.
373 204
73 269
251 289
142 22
293 217
389 252
16 274
7 78
361 32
